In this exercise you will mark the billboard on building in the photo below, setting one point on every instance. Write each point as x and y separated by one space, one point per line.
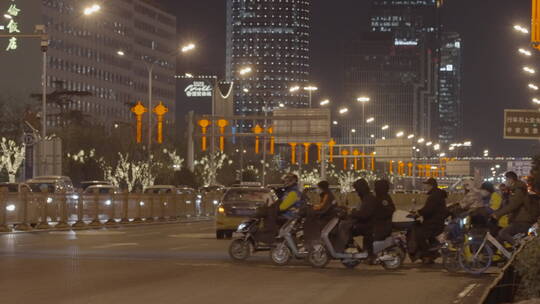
459 168
522 168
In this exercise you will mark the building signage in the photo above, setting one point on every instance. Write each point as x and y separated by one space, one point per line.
11 25
198 89
522 124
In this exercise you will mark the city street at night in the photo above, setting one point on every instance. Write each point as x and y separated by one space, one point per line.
184 263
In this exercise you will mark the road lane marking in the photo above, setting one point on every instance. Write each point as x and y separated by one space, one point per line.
465 292
193 236
87 232
115 245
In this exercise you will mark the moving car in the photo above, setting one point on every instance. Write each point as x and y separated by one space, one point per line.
101 189
87 184
239 204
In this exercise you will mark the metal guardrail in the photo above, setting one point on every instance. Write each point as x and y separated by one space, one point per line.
504 288
26 210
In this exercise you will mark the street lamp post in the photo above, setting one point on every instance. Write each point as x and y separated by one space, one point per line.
310 89
363 100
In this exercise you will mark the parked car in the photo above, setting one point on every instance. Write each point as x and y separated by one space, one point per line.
102 189
87 184
160 189
15 187
54 184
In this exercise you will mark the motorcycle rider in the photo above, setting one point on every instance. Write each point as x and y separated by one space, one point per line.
434 214
382 225
320 213
292 197
363 218
521 210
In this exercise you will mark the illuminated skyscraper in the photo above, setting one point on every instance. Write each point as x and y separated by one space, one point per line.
271 37
450 76
396 63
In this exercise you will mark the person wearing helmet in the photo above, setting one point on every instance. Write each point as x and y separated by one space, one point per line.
291 200
382 224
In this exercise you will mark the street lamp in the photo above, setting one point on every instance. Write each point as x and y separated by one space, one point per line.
370 120
325 102
310 89
421 140
385 127
525 52
294 89
521 29
363 100
90 10
343 111
533 86
429 143
400 134
245 71
536 100
411 136
150 67
187 48
529 70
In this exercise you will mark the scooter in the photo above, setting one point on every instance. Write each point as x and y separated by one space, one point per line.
389 253
289 243
242 248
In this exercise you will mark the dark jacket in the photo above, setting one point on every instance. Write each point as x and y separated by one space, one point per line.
435 211
367 207
519 206
384 211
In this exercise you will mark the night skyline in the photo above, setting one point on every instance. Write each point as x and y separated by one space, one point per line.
505 85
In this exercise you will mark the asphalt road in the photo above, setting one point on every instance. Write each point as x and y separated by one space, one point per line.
184 263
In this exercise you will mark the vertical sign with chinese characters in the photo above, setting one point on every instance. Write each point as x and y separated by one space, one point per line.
522 124
10 25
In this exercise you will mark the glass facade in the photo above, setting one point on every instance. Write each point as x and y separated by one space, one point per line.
83 56
395 63
271 37
450 103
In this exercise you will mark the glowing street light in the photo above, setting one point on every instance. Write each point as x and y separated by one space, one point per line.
467 144
442 154
385 127
90 10
363 99
529 70
282 105
246 90
294 89
525 52
325 102
429 143
533 86
245 71
120 53
188 75
411 136
353 130
343 110
187 48
335 123
370 120
536 100
421 140
521 29
436 147
311 88
400 134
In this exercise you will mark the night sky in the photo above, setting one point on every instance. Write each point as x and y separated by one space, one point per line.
493 79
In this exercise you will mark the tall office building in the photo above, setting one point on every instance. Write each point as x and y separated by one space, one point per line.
271 37
395 63
450 76
106 52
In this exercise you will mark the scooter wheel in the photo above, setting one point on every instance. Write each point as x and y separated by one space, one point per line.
240 250
318 257
350 264
280 254
397 254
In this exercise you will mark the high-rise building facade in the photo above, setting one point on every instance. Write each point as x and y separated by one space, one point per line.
395 63
272 38
106 53
450 77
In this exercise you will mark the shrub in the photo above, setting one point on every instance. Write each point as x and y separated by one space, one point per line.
528 266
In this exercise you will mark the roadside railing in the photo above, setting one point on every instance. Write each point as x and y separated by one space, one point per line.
27 210
504 288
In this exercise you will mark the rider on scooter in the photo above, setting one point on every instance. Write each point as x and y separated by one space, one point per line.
292 197
382 226
363 219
